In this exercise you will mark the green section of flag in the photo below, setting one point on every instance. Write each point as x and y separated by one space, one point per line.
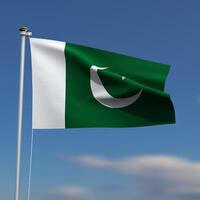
153 107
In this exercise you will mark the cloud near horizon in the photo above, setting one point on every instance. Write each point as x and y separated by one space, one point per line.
157 176
71 192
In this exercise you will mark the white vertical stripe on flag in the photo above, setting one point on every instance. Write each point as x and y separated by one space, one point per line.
49 83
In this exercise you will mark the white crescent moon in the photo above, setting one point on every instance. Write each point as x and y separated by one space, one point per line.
103 97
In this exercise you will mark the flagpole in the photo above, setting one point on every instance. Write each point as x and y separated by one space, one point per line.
23 32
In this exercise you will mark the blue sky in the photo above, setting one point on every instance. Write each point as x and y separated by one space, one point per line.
160 162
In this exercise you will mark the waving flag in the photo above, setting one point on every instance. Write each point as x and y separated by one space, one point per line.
76 86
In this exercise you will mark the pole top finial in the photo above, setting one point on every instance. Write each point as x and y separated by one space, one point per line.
25 31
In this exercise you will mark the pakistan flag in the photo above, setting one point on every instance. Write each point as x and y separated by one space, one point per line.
76 86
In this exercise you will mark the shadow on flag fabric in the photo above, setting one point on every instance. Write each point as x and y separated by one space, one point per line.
76 86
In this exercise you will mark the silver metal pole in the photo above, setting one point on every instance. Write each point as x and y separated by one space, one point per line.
23 32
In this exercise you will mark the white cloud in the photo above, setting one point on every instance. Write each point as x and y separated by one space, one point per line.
93 161
156 175
72 192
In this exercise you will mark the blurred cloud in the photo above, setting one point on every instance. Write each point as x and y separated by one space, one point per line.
71 192
157 176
